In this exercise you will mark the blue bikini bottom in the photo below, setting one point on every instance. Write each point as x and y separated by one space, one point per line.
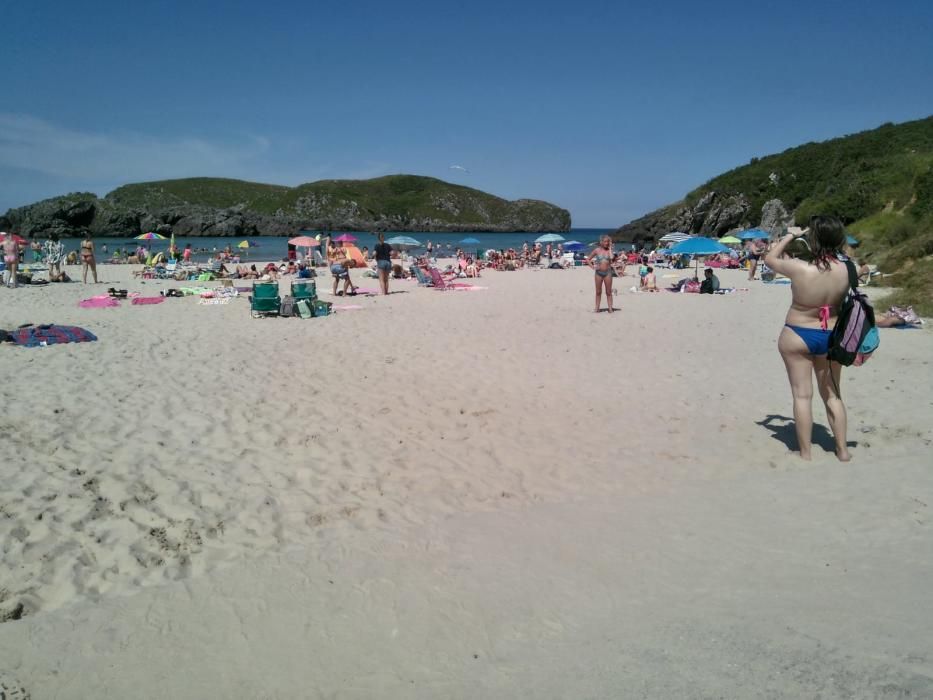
816 339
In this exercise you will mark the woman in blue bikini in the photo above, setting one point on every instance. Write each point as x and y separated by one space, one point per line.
601 262
817 288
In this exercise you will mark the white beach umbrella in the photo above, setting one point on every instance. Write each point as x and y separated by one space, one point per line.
675 237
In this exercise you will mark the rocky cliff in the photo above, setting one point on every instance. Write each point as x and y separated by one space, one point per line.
220 207
714 215
855 177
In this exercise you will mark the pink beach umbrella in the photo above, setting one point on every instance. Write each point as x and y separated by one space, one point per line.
304 242
345 238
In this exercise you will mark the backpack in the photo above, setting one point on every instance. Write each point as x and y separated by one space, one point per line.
287 307
854 337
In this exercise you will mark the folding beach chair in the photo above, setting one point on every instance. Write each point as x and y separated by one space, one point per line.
421 276
265 300
304 289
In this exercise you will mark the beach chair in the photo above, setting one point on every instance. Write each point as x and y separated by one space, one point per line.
265 300
304 289
423 279
437 279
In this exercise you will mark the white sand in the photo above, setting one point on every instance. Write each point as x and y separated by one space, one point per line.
467 494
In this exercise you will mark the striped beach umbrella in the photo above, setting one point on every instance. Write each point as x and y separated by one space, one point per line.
675 237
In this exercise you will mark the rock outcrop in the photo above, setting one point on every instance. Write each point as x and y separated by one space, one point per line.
714 215
394 203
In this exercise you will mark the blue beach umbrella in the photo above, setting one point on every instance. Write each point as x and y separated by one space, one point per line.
851 240
573 246
753 233
549 238
470 241
699 246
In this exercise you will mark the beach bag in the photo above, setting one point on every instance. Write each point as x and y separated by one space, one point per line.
287 307
304 308
854 337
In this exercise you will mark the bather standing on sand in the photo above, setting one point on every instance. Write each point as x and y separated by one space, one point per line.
755 250
817 288
383 255
11 258
601 262
54 253
87 258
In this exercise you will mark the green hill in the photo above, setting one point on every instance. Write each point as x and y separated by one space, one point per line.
878 182
404 202
223 207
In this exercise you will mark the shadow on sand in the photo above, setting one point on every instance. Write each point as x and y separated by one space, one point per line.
782 429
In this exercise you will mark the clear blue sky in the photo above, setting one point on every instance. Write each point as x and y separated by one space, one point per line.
609 109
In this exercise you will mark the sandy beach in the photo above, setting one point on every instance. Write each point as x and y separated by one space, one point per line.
484 494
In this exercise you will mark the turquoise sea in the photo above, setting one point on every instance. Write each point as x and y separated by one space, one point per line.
276 247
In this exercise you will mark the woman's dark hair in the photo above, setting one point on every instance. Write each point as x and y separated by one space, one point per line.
53 236
826 239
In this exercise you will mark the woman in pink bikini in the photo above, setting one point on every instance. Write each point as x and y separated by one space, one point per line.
817 288
87 258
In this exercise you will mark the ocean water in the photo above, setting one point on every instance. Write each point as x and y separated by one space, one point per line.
276 247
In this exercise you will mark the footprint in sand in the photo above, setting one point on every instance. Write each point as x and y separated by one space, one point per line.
11 689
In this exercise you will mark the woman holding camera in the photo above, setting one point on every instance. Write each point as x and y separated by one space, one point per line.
817 288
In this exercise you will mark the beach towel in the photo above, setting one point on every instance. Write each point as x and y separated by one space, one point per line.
98 302
35 336
347 307
144 301
205 302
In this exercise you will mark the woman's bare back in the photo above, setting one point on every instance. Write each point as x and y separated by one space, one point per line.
813 288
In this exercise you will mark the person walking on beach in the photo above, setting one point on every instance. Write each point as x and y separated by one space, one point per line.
817 287
54 253
383 254
11 258
186 255
755 250
601 262
87 258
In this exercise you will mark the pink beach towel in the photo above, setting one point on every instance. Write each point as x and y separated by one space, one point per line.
98 302
143 301
347 307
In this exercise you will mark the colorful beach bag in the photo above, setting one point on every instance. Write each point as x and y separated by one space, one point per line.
855 336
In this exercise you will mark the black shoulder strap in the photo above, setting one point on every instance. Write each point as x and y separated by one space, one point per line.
853 274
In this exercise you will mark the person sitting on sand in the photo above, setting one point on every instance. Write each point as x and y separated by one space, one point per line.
817 287
304 273
710 283
649 282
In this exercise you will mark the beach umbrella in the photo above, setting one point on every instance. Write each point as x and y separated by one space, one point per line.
304 241
345 238
753 233
151 236
470 241
675 237
19 240
851 240
549 238
573 246
729 239
698 246
403 242
245 244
